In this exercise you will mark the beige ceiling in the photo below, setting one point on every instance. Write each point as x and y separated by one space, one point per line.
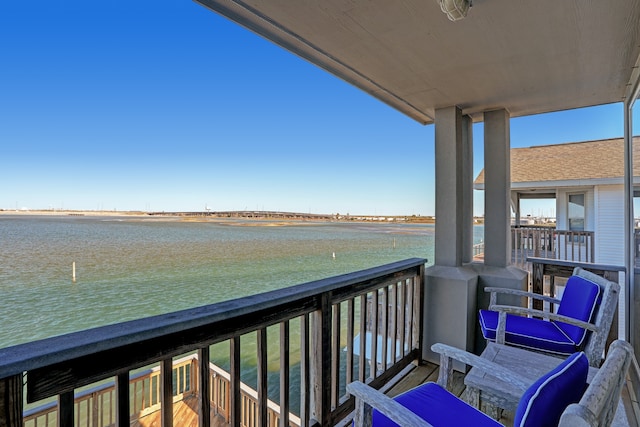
526 56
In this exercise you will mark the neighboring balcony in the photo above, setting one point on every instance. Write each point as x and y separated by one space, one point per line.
546 242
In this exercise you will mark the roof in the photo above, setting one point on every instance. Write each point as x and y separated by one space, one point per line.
570 163
527 57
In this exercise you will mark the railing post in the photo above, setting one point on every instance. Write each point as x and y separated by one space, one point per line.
204 415
537 283
123 411
65 409
166 392
321 365
11 399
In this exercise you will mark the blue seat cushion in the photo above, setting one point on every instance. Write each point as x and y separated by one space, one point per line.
579 301
545 400
528 332
438 407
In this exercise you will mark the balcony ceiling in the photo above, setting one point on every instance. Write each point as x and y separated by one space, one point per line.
526 56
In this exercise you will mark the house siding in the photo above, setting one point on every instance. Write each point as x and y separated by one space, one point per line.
609 225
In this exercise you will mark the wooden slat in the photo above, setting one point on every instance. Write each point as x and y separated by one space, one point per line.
166 392
350 336
305 395
335 356
123 410
263 386
374 334
362 365
204 384
284 374
65 409
11 401
384 311
234 385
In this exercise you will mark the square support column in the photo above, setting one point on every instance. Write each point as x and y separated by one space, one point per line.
450 311
497 176
450 186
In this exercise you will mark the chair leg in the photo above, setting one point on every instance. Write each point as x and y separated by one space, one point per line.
472 397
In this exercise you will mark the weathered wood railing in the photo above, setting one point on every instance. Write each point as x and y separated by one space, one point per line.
553 268
331 312
547 242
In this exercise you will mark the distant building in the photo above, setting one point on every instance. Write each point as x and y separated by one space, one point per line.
586 180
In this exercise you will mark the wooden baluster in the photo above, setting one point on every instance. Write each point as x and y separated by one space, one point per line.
65 409
335 357
204 414
234 384
11 398
123 410
305 396
364 313
263 387
166 392
350 333
284 374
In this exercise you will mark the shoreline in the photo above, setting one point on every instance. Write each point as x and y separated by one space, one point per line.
237 217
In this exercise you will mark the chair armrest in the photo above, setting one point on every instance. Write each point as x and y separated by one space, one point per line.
544 314
447 353
368 397
518 292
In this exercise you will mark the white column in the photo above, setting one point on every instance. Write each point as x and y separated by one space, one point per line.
497 178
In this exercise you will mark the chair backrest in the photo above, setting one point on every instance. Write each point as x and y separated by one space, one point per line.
544 401
598 404
580 300
596 340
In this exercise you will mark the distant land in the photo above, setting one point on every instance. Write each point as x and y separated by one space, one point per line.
257 215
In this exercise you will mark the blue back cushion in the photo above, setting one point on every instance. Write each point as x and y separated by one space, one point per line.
579 301
543 403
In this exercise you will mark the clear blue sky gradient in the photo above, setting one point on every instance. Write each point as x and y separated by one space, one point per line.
165 106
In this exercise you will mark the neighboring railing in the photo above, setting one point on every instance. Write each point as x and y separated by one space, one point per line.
332 313
547 242
96 407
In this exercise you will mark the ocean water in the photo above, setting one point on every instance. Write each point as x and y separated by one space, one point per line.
130 267
134 267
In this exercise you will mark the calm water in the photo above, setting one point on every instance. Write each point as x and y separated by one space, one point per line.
129 268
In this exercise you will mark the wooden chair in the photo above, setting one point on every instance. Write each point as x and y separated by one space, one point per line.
544 402
582 322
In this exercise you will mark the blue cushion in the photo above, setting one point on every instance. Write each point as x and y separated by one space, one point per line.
543 403
579 301
438 407
528 332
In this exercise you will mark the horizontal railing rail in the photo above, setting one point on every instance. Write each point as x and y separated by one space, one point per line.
332 314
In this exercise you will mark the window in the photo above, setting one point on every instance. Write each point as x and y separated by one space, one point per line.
576 212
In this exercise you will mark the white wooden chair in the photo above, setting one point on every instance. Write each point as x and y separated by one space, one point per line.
584 317
540 400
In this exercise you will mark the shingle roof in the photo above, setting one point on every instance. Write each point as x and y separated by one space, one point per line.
571 161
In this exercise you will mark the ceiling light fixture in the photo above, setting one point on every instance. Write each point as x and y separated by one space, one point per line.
455 9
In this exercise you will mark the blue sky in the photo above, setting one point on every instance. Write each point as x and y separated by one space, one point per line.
164 105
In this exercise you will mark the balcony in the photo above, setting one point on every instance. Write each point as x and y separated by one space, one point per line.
159 370
310 328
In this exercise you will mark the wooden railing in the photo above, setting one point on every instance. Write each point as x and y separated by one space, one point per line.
97 407
331 314
547 242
